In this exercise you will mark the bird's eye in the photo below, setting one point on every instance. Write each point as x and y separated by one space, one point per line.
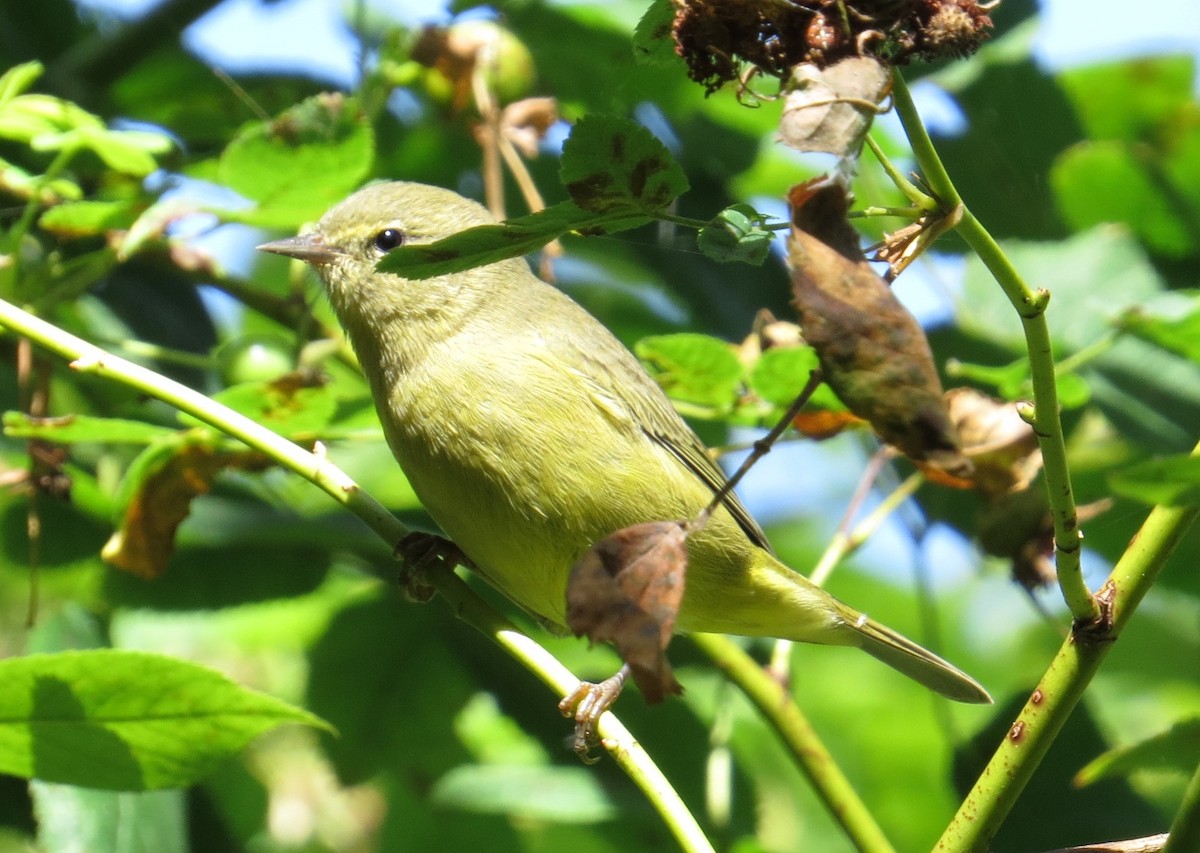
388 239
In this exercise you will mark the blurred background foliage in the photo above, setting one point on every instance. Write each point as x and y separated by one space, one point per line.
135 230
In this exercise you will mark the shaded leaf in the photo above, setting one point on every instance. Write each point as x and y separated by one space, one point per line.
1103 181
872 351
159 488
1171 480
652 42
1180 335
1177 749
736 234
613 165
126 721
626 589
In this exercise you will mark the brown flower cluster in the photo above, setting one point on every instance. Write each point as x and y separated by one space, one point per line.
715 37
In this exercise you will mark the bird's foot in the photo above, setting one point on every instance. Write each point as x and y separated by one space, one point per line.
587 703
423 553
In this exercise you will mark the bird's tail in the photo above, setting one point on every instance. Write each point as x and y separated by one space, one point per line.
921 665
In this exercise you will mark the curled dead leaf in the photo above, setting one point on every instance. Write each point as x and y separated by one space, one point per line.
874 354
830 109
626 590
144 541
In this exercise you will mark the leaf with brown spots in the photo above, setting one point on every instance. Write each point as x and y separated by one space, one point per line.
873 353
626 590
610 165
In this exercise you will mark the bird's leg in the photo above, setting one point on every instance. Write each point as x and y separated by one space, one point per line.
587 703
420 554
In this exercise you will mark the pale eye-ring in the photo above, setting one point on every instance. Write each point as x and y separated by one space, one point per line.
388 239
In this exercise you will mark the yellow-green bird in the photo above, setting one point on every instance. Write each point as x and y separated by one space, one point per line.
529 433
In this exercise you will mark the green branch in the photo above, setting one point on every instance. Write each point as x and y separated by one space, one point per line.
1002 781
1031 306
315 467
777 707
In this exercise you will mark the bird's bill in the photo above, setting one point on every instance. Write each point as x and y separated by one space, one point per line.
307 247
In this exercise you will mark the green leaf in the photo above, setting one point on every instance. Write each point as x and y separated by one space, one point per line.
126 721
566 794
300 164
781 373
652 41
1128 100
1092 278
736 234
487 244
87 218
1171 480
1178 748
130 152
1180 335
1106 181
76 428
611 165
72 818
17 79
287 408
693 368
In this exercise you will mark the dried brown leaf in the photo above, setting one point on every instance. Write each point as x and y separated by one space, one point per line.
626 590
145 540
872 351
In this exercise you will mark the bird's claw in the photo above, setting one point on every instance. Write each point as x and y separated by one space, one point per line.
422 553
587 703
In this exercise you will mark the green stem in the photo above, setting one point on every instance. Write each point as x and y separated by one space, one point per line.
921 200
1031 306
776 706
1002 781
315 467
1185 829
844 543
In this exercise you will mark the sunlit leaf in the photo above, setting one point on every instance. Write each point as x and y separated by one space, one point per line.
612 165
126 721
75 428
693 368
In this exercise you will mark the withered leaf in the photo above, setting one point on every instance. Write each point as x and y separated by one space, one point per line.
872 350
626 590
1001 445
172 475
831 109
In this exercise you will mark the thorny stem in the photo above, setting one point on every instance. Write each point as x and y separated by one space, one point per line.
316 468
1031 306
